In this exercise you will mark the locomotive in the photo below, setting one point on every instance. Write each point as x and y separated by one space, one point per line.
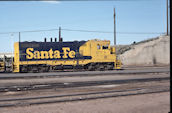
51 56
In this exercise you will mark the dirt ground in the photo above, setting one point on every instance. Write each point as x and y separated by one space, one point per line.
11 82
149 103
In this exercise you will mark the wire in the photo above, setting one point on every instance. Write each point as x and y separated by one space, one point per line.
87 31
109 32
98 0
116 32
29 31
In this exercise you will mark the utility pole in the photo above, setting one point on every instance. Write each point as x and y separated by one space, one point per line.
19 36
59 34
170 62
114 29
167 17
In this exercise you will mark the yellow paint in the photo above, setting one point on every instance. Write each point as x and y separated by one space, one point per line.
16 67
72 54
2 66
57 54
29 53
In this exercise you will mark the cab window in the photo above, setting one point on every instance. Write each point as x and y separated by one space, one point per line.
98 46
105 47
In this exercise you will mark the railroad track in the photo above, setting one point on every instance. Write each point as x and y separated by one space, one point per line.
82 73
76 84
11 102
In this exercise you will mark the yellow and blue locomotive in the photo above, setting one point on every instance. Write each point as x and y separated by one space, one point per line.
48 56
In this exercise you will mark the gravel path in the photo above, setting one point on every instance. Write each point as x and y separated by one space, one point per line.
149 103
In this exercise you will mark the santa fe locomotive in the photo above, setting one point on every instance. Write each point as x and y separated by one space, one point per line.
50 56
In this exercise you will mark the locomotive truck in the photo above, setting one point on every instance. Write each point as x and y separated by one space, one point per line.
49 56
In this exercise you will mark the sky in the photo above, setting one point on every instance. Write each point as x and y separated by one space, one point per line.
132 16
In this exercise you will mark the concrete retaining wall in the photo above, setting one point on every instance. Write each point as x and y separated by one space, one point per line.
156 52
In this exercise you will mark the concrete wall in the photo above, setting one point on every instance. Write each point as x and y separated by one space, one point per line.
156 52
9 55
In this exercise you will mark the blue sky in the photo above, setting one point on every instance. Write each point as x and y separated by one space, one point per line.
131 16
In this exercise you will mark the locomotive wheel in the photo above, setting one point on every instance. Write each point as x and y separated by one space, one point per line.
23 69
100 67
110 67
90 67
43 69
105 67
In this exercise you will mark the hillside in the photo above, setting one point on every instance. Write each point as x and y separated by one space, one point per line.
155 51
